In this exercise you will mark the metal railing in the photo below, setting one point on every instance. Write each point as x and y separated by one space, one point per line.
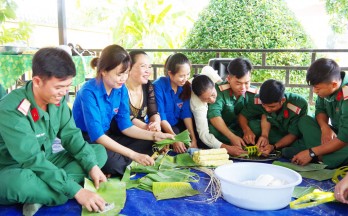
263 66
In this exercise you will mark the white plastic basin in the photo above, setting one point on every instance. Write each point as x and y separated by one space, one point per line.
254 197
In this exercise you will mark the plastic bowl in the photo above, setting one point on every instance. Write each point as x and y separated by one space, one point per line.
254 197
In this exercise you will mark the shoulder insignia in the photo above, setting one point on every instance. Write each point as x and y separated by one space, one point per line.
224 87
345 92
294 108
257 100
24 106
252 90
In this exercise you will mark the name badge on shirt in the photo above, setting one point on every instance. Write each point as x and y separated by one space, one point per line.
40 135
180 104
116 110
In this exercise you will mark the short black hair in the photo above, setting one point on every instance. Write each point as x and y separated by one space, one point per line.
239 67
53 62
323 70
271 91
201 83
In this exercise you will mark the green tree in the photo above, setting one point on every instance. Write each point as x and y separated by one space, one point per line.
337 9
250 24
12 34
150 24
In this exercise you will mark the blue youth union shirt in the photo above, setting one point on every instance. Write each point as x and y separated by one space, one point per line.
93 109
169 105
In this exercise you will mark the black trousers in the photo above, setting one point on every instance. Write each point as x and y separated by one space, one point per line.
116 163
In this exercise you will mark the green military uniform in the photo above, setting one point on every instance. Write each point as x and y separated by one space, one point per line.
283 122
228 107
335 106
2 91
30 172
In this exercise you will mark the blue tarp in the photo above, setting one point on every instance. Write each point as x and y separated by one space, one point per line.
144 203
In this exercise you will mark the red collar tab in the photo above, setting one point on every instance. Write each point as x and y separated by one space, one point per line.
34 114
339 96
286 114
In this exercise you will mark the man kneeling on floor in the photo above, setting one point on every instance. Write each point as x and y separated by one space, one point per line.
31 118
323 140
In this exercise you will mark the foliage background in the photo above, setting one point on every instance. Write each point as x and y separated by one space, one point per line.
251 24
338 11
12 34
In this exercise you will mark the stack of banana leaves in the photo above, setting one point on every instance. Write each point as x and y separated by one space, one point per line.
168 178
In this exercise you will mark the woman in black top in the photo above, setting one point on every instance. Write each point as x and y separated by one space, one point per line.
142 100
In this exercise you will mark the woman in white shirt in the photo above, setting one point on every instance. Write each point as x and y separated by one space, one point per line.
204 92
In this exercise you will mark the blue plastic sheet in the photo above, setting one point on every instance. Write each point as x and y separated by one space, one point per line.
140 202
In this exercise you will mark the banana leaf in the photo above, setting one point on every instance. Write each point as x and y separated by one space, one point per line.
177 175
301 191
308 167
319 175
162 162
170 190
126 179
164 170
181 137
184 160
113 191
145 183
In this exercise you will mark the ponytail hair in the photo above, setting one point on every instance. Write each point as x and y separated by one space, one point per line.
186 91
111 57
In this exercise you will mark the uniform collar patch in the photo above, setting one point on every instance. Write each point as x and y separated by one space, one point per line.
253 90
24 106
294 108
339 95
286 113
257 101
344 92
224 87
35 114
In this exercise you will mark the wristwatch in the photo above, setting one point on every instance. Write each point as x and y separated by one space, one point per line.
311 153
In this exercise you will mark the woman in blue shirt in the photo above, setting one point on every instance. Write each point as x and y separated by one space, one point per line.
105 99
173 99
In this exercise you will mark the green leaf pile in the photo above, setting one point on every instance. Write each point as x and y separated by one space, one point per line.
167 169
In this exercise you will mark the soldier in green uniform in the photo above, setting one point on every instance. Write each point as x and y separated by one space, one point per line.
232 95
282 112
31 118
2 91
326 136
